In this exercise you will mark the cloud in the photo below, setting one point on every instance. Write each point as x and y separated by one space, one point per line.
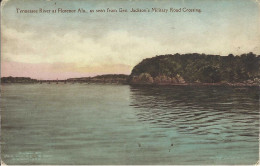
115 52
116 47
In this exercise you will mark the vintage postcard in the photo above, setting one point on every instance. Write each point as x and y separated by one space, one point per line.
130 82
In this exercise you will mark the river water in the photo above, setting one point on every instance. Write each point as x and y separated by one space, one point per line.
122 124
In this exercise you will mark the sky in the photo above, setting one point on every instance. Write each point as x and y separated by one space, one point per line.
62 45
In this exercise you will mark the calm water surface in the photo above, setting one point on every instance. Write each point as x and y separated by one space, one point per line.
121 124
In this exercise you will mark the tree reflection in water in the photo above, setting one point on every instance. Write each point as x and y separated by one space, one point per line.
200 110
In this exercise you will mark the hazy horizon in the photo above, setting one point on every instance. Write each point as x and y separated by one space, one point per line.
60 46
100 74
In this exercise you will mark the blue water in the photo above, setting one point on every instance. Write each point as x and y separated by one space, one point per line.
121 124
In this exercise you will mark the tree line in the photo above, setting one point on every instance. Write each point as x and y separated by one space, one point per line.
198 68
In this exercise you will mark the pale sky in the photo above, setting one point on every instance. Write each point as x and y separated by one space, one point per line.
51 46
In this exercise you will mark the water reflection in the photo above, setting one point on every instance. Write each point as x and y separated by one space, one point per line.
230 112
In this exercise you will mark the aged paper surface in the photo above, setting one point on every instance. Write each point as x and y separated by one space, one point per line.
131 82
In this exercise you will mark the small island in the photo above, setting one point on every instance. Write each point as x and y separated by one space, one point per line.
177 69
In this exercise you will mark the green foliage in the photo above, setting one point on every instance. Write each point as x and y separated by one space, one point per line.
143 78
200 68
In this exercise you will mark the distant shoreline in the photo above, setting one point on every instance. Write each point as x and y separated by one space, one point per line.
105 79
118 80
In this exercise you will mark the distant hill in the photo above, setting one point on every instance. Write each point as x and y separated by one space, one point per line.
17 80
197 68
107 78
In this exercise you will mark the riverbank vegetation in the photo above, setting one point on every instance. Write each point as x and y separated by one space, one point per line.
197 68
